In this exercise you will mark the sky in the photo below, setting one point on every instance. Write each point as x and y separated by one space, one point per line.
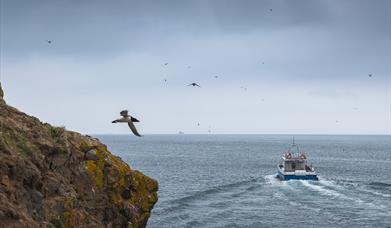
283 66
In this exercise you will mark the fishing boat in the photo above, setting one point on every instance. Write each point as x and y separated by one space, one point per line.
293 166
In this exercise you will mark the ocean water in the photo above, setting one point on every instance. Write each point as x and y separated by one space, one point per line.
229 180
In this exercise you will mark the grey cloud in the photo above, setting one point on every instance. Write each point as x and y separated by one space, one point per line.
103 27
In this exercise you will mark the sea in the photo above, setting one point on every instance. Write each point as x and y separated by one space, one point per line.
229 180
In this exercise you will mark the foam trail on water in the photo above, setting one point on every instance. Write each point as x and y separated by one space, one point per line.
321 189
330 184
271 179
324 191
274 181
384 195
356 186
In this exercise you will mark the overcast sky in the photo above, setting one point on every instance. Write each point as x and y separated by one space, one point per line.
283 66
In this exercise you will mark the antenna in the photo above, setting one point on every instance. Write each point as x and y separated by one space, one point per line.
294 145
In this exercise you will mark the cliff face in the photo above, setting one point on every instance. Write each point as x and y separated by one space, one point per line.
50 177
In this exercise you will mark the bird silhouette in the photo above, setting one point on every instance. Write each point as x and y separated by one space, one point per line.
49 41
370 75
165 64
128 119
194 84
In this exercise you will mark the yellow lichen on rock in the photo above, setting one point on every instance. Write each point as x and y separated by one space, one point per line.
110 172
93 171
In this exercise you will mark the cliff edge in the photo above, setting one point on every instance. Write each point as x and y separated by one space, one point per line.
51 177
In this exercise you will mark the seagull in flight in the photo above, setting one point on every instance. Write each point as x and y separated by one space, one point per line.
194 84
128 119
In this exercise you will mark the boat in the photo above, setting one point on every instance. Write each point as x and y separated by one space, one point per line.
293 166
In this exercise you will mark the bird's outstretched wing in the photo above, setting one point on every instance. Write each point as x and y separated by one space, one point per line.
124 113
197 85
134 119
133 128
190 84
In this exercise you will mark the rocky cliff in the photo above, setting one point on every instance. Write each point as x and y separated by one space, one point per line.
51 177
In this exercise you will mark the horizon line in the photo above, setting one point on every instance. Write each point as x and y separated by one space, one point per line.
282 134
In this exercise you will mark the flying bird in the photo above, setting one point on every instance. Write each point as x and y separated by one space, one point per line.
194 84
216 76
165 64
128 119
270 9
49 41
370 75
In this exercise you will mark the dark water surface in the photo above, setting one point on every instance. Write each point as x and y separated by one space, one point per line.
228 180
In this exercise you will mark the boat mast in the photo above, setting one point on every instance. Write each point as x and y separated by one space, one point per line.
294 145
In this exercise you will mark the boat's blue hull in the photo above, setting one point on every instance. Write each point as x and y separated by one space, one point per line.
294 177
